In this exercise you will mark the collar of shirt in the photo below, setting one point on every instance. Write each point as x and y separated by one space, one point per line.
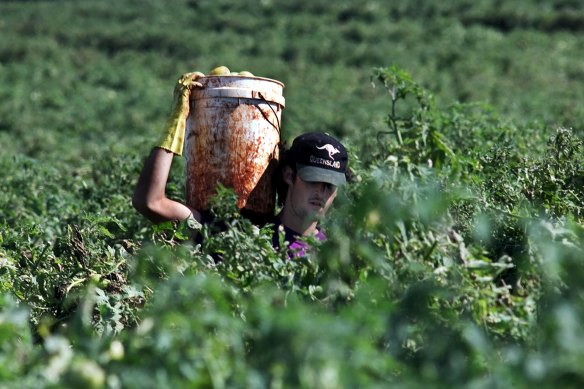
296 246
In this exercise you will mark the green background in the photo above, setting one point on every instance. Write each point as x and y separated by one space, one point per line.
454 258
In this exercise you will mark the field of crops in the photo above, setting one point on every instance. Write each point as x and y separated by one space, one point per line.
455 255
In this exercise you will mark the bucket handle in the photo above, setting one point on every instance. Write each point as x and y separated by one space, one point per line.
266 117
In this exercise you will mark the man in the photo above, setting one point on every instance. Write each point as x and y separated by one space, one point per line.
311 171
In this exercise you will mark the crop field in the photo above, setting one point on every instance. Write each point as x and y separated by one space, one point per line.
454 256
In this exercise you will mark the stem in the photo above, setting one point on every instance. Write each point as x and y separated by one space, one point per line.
392 118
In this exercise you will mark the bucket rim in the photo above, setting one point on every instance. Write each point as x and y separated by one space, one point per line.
246 77
238 93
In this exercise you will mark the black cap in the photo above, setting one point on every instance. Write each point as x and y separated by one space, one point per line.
319 158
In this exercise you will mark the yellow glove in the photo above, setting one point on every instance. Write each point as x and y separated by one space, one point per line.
174 131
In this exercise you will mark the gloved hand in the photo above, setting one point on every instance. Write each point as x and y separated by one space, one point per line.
174 131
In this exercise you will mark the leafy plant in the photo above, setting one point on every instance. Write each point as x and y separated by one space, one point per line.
453 257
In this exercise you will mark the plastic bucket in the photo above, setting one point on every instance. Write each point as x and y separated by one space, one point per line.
233 137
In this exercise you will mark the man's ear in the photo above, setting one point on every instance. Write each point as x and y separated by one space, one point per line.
288 175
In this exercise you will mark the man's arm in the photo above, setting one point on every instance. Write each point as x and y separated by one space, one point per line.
150 193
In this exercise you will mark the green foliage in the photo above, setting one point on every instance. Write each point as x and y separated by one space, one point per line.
453 257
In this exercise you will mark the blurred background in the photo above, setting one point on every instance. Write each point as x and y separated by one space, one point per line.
454 257
84 78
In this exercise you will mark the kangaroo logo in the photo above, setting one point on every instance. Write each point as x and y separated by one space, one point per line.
330 148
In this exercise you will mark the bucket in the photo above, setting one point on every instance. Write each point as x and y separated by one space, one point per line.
233 137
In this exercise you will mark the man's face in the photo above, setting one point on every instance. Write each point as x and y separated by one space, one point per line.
309 201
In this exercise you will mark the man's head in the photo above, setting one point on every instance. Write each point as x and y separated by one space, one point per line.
314 166
318 157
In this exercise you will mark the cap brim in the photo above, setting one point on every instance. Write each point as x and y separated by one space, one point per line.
317 174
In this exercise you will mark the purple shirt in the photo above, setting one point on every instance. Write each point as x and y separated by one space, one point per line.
296 248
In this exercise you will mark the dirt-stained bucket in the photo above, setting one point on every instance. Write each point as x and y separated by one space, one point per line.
233 136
